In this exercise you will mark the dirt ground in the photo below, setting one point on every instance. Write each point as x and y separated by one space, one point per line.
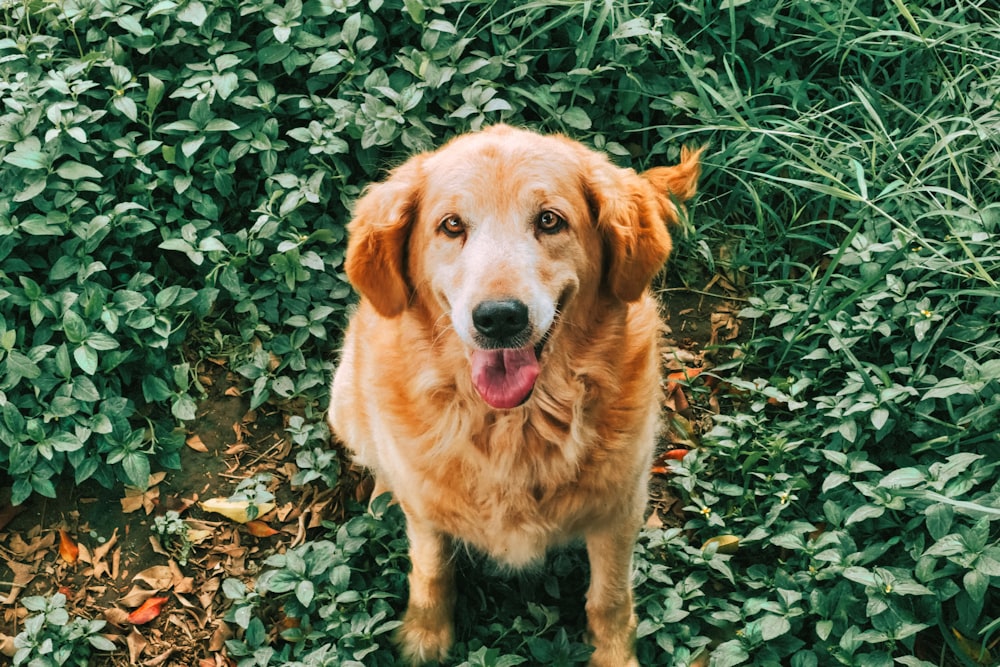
120 564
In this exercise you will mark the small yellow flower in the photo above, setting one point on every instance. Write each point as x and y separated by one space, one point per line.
927 313
706 510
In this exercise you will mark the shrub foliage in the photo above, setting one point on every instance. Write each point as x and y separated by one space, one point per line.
175 180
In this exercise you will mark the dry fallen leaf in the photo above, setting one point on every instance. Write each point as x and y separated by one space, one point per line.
260 529
146 498
725 544
195 443
101 566
136 645
235 510
149 610
68 549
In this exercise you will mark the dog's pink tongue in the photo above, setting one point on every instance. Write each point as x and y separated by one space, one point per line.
504 378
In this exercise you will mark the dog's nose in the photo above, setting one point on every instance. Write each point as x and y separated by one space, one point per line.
500 320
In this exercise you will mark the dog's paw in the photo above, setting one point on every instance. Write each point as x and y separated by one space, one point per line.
612 661
425 636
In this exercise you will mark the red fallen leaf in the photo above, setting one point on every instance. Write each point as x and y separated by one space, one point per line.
67 591
149 610
67 547
260 529
675 454
661 470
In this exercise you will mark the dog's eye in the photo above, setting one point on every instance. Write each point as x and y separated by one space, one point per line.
452 226
550 222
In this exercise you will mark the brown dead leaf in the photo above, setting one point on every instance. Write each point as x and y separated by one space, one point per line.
157 577
116 616
68 549
232 450
23 575
195 442
147 499
7 647
39 545
99 555
160 659
725 325
136 645
219 637
234 391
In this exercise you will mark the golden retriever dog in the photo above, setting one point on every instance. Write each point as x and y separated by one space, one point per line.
501 374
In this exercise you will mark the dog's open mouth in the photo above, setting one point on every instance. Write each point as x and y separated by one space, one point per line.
506 377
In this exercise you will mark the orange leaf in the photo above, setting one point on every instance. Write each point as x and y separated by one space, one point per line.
685 375
260 529
675 454
67 547
195 443
661 470
149 610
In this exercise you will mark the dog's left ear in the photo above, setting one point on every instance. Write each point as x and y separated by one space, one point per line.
377 239
633 211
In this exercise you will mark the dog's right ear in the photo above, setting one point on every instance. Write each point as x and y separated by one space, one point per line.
377 239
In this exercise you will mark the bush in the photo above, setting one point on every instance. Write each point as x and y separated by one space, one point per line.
180 176
177 177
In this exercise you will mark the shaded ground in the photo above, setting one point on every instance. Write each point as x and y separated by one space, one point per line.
121 562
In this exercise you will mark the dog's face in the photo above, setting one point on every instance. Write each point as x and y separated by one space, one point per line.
505 232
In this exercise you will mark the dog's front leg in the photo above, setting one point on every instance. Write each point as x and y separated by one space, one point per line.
611 618
428 631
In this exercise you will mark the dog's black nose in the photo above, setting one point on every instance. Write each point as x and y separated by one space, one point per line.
500 320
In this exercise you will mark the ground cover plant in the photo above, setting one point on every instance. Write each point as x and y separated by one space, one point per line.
174 182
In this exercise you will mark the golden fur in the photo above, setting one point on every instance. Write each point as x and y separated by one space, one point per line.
500 216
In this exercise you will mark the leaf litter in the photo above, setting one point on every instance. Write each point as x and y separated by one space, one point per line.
100 548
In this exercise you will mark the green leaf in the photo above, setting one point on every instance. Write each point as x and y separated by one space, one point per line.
127 107
136 467
577 118
902 478
304 592
184 408
154 93
864 513
102 643
773 626
729 653
154 389
86 358
21 366
27 158
194 13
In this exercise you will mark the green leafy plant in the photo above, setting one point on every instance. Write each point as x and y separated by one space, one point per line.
177 177
173 533
254 492
51 637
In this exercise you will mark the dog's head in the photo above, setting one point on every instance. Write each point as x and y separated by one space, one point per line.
503 231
